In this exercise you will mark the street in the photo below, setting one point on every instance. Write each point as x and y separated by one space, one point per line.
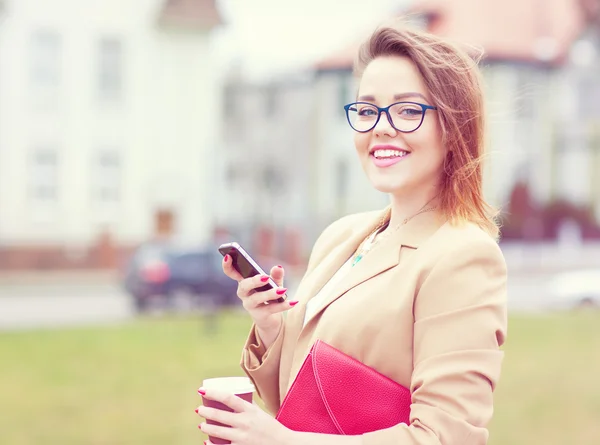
526 293
63 302
24 306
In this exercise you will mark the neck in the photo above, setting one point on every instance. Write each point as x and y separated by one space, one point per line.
407 206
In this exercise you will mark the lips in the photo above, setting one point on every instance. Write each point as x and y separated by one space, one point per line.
387 151
387 155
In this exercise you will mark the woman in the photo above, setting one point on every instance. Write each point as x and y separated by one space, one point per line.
416 291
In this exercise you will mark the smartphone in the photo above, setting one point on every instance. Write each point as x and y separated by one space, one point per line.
246 266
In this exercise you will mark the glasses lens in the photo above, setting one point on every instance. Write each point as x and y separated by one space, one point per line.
406 116
362 116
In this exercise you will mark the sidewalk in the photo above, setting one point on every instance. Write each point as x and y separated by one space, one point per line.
51 277
549 258
41 277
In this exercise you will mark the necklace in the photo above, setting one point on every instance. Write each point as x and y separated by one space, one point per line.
372 239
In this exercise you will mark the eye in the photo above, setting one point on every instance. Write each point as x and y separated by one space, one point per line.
409 111
367 111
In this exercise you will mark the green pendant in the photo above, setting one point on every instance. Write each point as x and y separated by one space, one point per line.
356 260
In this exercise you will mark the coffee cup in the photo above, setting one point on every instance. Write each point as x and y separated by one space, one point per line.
240 386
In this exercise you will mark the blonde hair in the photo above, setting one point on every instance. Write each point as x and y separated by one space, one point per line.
454 81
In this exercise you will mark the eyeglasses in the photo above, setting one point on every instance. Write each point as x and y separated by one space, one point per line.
405 117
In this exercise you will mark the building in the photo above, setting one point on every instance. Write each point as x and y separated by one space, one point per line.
264 164
109 113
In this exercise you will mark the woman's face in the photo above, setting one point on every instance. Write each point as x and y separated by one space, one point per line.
396 162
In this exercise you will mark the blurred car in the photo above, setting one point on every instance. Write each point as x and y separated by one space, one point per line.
167 272
575 289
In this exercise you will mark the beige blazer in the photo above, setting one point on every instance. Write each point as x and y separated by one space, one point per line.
426 307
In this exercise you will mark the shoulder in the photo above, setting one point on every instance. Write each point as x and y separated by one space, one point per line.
464 241
461 266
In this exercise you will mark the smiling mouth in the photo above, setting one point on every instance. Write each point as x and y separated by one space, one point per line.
388 154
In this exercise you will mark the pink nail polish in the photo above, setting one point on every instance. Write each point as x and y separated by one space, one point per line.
196 410
226 258
201 392
264 279
293 303
281 291
281 267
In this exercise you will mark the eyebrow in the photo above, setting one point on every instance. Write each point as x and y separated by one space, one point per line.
396 96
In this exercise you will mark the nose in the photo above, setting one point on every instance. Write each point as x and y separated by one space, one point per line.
384 126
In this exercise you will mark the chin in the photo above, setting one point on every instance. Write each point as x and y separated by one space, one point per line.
386 186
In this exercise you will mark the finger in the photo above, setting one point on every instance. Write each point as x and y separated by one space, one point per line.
229 270
277 273
237 404
217 415
270 296
275 307
223 432
248 285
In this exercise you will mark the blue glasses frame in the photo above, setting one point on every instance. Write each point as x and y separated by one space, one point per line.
380 110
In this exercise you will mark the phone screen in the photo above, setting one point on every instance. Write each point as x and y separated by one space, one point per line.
243 263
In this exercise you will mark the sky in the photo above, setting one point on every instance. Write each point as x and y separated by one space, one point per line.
270 36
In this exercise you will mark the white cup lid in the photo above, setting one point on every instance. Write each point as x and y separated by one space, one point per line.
233 385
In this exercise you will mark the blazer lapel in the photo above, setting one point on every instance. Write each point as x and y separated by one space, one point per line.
380 259
349 240
383 256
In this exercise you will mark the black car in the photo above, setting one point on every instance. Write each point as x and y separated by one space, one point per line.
166 272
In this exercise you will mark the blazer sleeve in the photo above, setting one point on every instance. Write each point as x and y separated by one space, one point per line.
261 364
460 322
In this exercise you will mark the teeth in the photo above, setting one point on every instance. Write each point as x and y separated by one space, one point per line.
389 154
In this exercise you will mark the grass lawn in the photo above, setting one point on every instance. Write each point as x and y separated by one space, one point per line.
135 384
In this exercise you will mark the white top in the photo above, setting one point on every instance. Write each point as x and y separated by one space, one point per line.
315 302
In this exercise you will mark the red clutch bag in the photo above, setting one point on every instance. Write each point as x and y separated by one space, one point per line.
335 394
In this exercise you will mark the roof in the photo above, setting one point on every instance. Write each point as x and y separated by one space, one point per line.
341 60
591 10
199 14
512 30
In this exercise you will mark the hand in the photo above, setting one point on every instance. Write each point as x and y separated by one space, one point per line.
267 317
249 425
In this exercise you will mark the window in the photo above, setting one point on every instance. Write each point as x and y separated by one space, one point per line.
110 69
270 98
164 222
343 95
45 60
528 93
107 177
342 181
44 175
589 95
229 103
